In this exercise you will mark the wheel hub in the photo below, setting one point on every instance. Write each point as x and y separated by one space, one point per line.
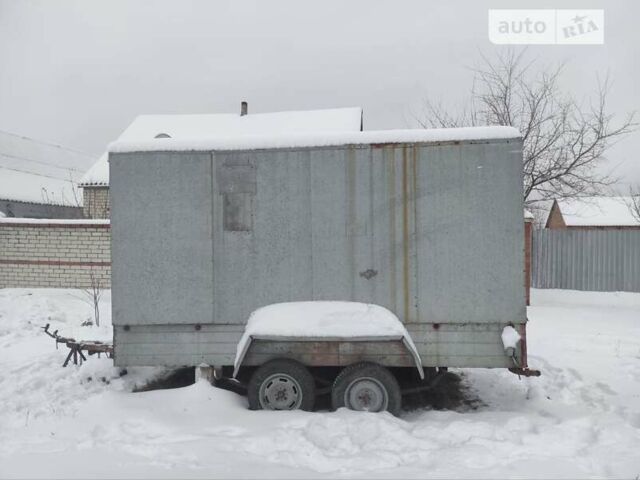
366 394
366 397
280 392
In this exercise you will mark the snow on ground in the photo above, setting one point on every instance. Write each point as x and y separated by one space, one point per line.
580 419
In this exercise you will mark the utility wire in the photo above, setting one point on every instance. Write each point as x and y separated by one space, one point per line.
40 162
37 174
48 144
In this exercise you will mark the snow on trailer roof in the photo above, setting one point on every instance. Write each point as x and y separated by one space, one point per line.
155 128
598 212
317 139
324 319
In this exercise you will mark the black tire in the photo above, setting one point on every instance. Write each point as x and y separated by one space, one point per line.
367 376
281 384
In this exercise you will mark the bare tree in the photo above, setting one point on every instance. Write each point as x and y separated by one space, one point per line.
564 140
93 294
634 202
50 198
77 200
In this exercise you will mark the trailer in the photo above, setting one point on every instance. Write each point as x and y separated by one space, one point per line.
426 225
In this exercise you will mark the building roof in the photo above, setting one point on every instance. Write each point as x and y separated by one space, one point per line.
598 212
147 128
39 172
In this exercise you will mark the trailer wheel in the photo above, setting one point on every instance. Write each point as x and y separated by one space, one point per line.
366 386
281 384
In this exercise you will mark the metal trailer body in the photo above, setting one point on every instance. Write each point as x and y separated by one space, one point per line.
433 231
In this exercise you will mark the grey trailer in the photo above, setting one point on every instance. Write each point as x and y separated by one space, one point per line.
426 223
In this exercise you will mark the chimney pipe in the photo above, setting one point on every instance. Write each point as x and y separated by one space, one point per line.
243 109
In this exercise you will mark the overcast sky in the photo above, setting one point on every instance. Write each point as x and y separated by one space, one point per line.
78 72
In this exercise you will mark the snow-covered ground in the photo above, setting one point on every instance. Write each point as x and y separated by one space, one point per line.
580 419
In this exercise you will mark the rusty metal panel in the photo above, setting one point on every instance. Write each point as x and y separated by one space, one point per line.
393 230
592 260
330 352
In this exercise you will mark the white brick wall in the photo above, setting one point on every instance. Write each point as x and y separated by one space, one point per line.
54 255
96 202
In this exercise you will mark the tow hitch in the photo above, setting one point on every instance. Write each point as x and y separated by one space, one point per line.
525 372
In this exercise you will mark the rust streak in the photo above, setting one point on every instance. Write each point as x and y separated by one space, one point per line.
383 145
390 159
414 200
523 345
351 218
405 233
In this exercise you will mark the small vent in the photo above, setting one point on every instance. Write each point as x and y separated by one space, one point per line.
163 135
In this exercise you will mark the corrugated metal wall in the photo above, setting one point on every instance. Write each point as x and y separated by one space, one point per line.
202 239
404 226
593 260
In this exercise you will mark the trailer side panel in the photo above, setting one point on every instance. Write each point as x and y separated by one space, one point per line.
433 232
